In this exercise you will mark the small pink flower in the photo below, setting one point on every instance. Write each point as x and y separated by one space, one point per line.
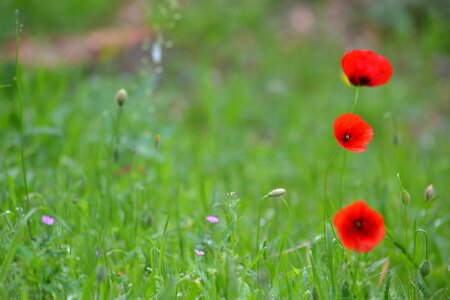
199 252
48 220
212 219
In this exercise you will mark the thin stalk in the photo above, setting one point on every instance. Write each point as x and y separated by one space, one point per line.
415 242
341 180
331 265
325 191
22 125
326 217
355 100
116 135
258 228
406 227
179 227
283 242
317 278
163 244
404 194
398 244
356 273
112 159
258 232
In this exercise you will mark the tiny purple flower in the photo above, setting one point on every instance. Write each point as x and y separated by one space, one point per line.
212 219
48 220
199 252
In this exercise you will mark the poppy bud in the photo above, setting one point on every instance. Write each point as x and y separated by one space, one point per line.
121 97
425 268
277 192
406 198
429 192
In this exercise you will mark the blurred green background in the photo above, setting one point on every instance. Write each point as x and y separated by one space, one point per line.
244 99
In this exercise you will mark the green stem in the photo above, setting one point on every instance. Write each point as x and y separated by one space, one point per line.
22 124
355 100
415 242
258 231
341 194
258 228
406 227
325 191
283 242
359 256
398 244
163 244
115 140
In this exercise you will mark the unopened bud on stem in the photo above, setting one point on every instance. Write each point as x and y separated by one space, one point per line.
429 192
425 268
406 197
121 97
277 192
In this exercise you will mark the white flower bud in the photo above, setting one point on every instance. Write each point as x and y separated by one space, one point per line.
277 192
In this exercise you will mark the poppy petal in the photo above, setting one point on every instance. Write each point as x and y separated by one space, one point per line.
366 68
360 228
352 133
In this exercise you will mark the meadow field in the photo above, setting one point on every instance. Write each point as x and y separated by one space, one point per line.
215 173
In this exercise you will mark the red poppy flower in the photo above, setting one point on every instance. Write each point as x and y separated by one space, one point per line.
366 68
352 132
359 227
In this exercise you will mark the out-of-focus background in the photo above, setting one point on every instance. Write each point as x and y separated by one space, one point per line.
243 95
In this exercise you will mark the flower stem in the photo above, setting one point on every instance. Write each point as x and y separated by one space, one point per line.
258 230
116 135
283 242
355 100
425 234
397 244
325 190
341 193
406 227
356 272
22 135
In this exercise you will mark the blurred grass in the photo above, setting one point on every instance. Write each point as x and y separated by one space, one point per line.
244 105
51 16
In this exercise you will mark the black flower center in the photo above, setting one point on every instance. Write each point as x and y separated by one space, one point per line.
346 137
363 80
358 224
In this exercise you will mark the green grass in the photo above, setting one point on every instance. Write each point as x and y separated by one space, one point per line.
50 16
243 106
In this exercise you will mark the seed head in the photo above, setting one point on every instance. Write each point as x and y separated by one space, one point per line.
406 197
277 192
429 192
121 97
425 268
